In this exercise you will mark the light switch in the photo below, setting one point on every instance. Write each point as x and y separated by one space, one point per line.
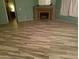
20 9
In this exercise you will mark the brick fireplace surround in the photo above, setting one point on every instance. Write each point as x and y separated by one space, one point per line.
44 12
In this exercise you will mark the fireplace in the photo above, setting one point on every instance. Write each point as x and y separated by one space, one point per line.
43 15
43 12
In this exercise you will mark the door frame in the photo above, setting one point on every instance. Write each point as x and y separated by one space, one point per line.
6 11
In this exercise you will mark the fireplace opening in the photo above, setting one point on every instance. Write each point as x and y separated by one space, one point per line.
44 15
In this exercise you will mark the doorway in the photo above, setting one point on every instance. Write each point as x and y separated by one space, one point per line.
11 12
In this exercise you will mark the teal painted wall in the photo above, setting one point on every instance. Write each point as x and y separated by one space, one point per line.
69 19
24 9
3 17
35 2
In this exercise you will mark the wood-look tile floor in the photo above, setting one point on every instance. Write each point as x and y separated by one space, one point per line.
39 40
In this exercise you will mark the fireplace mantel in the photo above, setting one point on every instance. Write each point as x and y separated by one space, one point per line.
38 10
